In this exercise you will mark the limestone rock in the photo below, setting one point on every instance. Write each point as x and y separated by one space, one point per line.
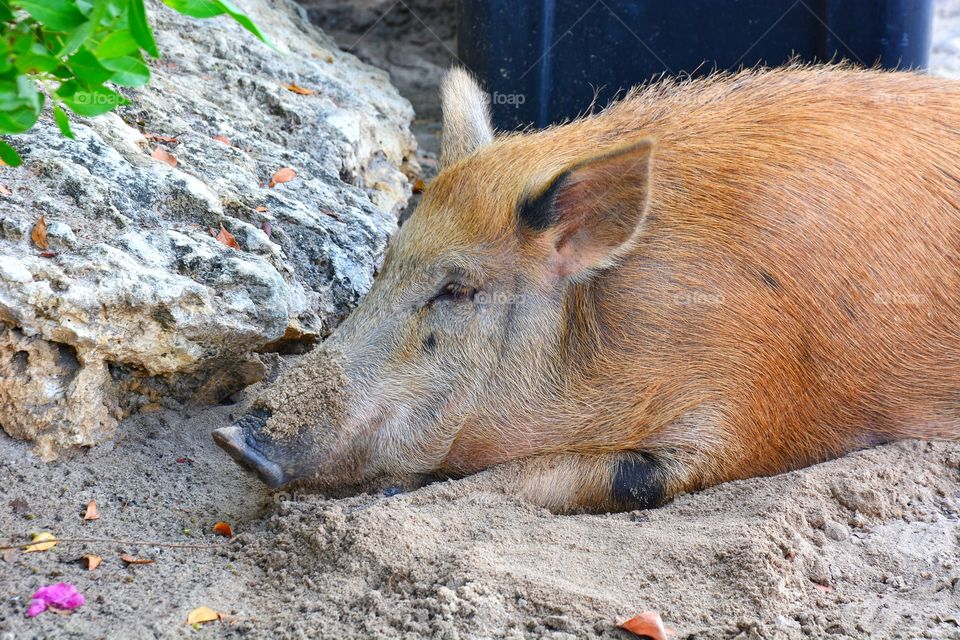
135 303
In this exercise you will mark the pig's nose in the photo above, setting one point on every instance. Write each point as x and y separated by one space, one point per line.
240 441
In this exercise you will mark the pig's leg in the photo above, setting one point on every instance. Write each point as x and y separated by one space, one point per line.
569 483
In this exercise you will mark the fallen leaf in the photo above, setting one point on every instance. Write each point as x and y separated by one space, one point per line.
58 597
285 174
161 154
418 186
132 560
224 529
201 615
212 231
224 139
44 541
225 237
160 138
92 561
5 191
266 228
183 460
9 555
39 233
303 91
647 624
48 254
260 209
92 512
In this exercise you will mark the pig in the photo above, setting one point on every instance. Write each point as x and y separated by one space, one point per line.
711 279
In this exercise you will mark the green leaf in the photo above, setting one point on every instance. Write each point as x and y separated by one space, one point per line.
140 28
75 38
63 122
117 44
27 91
59 15
9 155
35 63
197 8
18 121
91 102
127 71
244 21
6 15
210 8
87 68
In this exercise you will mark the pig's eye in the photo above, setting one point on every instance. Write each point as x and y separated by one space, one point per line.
454 292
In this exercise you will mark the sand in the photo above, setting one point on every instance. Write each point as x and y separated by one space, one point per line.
868 545
864 546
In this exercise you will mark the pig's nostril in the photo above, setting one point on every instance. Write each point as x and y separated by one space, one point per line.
253 421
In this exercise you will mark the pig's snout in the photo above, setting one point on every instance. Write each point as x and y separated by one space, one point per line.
246 443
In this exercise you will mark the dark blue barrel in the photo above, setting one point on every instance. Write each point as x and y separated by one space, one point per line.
544 61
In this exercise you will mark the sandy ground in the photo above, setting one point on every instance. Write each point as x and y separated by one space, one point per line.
865 546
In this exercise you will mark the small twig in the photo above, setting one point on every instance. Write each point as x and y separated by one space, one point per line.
144 543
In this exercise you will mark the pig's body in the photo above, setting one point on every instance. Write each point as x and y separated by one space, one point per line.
791 292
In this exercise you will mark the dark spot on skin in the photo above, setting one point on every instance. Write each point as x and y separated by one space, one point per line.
536 212
430 344
637 482
769 280
845 305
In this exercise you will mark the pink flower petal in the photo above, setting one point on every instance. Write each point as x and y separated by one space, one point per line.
61 595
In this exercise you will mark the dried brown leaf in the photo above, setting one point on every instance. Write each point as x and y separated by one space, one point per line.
93 513
647 625
39 233
92 561
286 174
225 237
224 529
303 91
201 615
161 154
223 139
161 138
42 542
134 560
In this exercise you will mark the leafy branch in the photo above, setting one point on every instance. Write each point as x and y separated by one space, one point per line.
71 51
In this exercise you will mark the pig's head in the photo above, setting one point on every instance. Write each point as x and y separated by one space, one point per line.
458 357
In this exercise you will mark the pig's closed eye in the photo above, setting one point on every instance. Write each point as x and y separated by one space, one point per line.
454 292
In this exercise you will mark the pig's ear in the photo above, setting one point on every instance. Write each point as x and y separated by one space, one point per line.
466 116
590 213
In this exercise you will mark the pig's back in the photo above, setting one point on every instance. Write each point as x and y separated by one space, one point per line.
802 257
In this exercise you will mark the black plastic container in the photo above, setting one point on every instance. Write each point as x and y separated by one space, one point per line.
544 60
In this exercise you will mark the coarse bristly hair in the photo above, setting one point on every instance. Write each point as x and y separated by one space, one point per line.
711 279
